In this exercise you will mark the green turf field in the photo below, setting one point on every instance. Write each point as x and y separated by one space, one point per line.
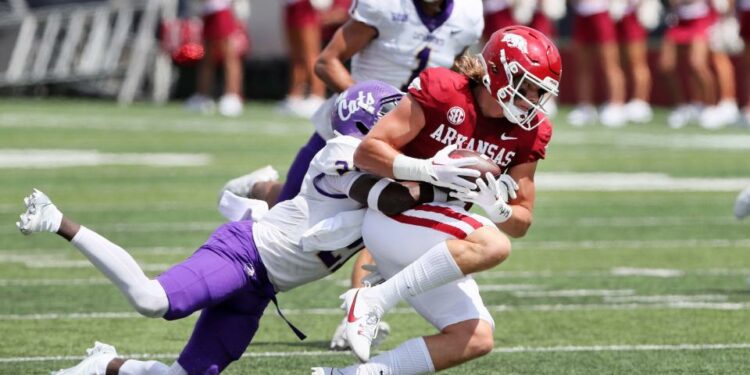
644 271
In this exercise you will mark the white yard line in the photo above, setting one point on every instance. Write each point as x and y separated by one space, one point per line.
504 350
610 181
674 304
617 271
571 293
51 158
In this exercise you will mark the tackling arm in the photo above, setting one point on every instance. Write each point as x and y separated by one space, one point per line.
391 197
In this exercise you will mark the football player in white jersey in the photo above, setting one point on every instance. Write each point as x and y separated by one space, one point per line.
240 268
386 40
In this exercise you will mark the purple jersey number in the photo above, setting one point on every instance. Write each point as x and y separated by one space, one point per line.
422 58
334 261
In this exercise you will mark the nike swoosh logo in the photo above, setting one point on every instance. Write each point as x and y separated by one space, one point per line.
507 137
454 32
351 318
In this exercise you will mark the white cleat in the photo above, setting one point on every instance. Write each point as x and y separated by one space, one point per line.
362 323
242 186
742 204
41 215
230 105
340 343
95 362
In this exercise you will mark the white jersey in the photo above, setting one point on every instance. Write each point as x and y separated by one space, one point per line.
278 234
409 41
405 44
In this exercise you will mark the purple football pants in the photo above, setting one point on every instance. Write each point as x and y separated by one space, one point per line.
298 169
227 280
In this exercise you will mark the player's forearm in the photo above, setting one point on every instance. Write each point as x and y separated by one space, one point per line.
391 197
519 222
376 157
333 72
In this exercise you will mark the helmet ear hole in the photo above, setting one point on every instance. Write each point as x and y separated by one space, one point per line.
362 127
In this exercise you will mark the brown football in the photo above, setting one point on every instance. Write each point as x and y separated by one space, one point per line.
483 166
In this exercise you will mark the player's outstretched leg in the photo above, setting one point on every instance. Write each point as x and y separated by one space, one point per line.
145 295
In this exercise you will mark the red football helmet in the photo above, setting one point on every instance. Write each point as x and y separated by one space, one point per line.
513 57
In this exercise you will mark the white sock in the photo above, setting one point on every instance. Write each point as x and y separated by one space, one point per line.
411 357
135 367
146 295
434 268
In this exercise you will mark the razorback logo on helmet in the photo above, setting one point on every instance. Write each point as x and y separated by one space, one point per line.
456 115
516 41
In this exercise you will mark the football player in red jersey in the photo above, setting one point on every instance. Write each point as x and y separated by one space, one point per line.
493 104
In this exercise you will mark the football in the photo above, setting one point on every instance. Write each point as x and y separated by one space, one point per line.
485 164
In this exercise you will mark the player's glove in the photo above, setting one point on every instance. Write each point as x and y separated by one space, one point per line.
492 196
440 170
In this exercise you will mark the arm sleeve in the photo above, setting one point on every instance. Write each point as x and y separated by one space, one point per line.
388 196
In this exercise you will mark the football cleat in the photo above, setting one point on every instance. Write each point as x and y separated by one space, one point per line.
242 186
95 362
742 204
340 343
41 215
362 323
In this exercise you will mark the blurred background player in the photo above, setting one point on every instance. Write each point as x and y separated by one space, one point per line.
304 33
537 14
225 42
686 40
632 20
595 39
379 40
743 7
724 40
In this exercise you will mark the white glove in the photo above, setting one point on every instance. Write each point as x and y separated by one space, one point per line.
440 170
374 277
493 196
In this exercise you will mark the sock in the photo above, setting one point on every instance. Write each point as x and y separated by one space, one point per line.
434 268
135 367
146 295
411 357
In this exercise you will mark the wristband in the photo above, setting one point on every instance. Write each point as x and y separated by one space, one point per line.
412 169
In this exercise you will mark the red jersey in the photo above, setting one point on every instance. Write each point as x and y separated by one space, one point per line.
453 117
